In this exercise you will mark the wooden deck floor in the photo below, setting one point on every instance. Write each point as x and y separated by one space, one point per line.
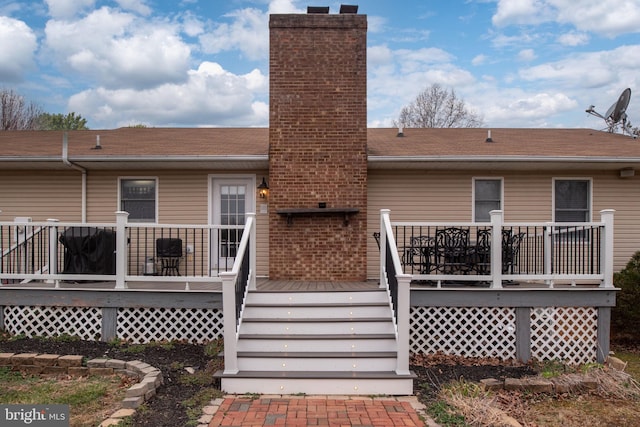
311 286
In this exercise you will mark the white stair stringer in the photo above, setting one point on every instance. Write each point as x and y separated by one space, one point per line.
317 343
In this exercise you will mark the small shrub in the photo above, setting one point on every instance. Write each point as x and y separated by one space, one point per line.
445 414
552 368
625 316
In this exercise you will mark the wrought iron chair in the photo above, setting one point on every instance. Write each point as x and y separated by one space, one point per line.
452 252
169 253
510 250
420 254
482 251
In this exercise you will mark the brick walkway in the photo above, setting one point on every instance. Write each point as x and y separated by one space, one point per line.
298 411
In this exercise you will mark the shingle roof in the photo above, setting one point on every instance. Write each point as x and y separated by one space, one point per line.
506 142
138 142
174 143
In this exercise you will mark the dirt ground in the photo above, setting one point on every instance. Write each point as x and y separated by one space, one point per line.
164 409
167 408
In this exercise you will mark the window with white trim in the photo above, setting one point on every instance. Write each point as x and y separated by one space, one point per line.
138 198
487 196
572 200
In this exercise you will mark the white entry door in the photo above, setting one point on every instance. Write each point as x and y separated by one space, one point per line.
232 199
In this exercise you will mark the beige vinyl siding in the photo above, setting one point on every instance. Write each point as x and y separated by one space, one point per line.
447 196
183 198
41 196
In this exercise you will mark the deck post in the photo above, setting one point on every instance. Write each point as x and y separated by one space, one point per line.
121 248
606 216
229 321
604 334
523 334
496 248
252 252
547 254
384 218
109 324
53 250
404 306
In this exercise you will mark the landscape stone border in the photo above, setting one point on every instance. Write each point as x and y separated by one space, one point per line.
568 383
149 378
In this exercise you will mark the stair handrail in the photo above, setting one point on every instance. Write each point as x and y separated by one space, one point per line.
235 286
21 242
398 288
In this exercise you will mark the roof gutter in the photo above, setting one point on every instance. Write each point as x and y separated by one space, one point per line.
549 159
65 160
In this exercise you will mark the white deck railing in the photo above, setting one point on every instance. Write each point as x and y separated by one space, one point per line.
497 252
53 252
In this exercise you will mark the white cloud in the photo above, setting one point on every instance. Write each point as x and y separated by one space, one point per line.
114 49
605 17
18 43
135 6
395 77
283 6
514 107
588 70
514 12
248 32
526 55
210 96
64 9
192 25
479 60
573 38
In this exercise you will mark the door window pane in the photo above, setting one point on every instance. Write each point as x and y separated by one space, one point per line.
232 212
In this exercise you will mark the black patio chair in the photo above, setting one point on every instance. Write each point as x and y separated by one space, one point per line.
420 254
481 255
510 250
169 254
452 252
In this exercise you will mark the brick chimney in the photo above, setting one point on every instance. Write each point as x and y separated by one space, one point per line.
318 143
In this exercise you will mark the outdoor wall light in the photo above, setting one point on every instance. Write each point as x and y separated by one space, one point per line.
263 189
626 172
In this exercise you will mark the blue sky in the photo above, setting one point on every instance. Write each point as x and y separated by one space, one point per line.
517 63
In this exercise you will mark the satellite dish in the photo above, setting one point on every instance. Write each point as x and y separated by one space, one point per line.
619 112
616 113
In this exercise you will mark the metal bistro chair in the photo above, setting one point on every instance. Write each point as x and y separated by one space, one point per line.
420 254
481 255
452 252
510 250
169 253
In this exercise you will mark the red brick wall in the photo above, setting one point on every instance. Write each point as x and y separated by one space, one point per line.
318 139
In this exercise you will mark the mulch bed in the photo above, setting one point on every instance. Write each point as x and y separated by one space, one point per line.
167 409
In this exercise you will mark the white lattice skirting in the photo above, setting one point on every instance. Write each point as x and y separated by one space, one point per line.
464 331
31 321
135 325
568 334
142 325
564 333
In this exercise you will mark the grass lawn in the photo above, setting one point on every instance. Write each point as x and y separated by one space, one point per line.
89 398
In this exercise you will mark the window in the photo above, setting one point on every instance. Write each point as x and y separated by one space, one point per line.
138 197
572 200
487 196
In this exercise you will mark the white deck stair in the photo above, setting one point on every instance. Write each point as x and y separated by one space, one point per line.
329 342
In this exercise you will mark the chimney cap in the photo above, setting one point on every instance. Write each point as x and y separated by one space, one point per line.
347 8
317 9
